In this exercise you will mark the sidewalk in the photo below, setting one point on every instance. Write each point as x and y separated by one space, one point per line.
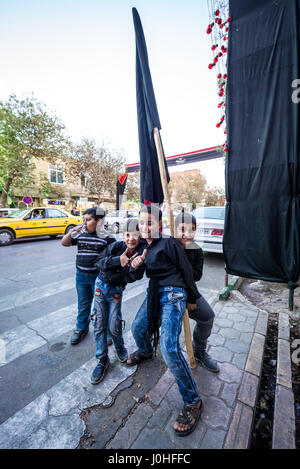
229 398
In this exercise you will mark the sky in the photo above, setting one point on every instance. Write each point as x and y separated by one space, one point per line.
78 57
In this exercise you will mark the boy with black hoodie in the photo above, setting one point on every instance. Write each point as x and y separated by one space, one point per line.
171 284
114 274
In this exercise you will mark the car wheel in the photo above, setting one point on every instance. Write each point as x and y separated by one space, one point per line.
69 228
115 228
6 237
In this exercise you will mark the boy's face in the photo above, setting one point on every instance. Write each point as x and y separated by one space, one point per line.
132 239
148 225
90 223
185 233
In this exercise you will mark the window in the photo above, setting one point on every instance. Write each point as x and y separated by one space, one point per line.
56 173
54 213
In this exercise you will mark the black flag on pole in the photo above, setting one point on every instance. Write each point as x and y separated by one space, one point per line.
121 184
148 119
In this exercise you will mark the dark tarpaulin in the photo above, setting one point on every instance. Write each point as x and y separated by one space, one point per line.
148 119
261 237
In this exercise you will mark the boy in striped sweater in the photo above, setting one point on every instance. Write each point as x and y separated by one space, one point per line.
90 240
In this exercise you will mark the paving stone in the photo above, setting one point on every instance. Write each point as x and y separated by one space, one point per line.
153 438
133 427
230 373
239 359
213 439
160 416
222 315
248 390
220 354
223 322
215 413
284 326
251 320
262 323
235 317
246 337
250 312
207 383
236 346
243 327
230 333
173 397
284 419
254 361
238 436
284 376
229 393
216 339
161 388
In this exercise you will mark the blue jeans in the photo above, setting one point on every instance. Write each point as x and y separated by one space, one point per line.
85 283
106 316
173 303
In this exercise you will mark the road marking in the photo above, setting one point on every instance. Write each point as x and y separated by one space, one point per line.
52 420
23 297
25 338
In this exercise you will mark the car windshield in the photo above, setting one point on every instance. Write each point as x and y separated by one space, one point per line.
17 214
115 214
214 213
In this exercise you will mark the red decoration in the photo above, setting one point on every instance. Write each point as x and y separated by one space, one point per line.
219 76
217 12
225 76
229 19
208 30
210 66
220 54
218 125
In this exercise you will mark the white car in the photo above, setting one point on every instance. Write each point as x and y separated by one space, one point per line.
210 228
4 212
115 221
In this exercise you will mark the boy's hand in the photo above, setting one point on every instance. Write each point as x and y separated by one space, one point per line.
124 260
138 261
191 306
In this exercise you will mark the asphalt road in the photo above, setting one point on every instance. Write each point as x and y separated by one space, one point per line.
38 313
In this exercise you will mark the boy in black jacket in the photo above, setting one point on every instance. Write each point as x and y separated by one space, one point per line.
171 283
114 273
200 310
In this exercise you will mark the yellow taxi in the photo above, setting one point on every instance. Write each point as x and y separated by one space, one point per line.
37 221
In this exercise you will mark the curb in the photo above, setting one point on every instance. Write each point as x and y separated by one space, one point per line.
240 429
284 427
234 284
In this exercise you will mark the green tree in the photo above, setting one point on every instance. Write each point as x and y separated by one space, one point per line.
132 190
215 196
187 187
27 132
97 166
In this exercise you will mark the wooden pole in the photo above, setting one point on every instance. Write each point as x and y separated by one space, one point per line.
164 182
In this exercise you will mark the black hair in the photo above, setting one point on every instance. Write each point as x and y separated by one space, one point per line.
96 212
185 218
152 210
131 225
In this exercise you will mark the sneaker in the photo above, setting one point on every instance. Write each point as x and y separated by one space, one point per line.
122 354
100 371
206 361
78 335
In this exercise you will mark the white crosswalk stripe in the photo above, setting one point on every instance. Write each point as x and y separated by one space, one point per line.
52 420
26 338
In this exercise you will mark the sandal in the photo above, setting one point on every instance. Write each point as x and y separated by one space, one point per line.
136 358
186 417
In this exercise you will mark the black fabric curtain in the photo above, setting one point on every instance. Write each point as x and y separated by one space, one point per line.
262 235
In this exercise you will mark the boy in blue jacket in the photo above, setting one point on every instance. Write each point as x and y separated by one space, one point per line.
114 265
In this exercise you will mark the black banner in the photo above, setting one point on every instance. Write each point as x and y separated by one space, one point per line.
262 237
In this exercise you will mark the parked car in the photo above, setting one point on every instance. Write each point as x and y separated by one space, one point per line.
7 211
210 228
51 221
115 221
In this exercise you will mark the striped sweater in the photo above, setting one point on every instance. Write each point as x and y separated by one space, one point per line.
89 246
